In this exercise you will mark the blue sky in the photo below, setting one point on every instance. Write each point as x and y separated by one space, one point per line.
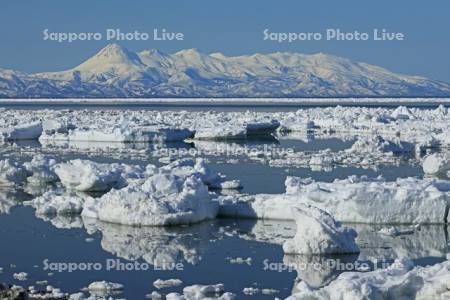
233 27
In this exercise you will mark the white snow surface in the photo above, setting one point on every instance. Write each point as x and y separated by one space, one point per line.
318 233
355 199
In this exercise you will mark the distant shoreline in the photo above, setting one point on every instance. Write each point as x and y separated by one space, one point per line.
234 101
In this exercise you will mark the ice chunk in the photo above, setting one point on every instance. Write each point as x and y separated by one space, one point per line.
22 276
42 168
161 284
85 175
437 163
104 286
161 200
319 233
402 113
200 292
29 131
399 281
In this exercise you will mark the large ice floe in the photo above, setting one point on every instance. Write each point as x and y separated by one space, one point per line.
163 199
319 233
399 281
27 131
118 134
355 199
177 193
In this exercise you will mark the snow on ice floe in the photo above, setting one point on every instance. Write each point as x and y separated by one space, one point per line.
176 193
355 199
162 199
318 233
436 164
199 292
88 176
401 280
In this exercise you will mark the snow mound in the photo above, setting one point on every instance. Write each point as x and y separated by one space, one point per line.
161 200
399 281
436 164
355 199
319 233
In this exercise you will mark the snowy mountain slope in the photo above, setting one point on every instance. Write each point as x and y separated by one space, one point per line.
119 72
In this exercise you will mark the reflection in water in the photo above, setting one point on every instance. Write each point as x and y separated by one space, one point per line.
156 245
10 197
318 271
426 241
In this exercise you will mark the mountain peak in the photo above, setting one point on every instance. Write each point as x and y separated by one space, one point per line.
115 51
192 52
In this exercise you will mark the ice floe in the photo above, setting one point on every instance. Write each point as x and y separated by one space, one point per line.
161 283
202 292
26 131
319 233
161 200
42 168
355 199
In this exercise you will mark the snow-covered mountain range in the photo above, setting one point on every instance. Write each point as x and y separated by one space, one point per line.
119 72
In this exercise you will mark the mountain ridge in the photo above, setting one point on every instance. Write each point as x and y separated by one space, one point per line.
116 72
